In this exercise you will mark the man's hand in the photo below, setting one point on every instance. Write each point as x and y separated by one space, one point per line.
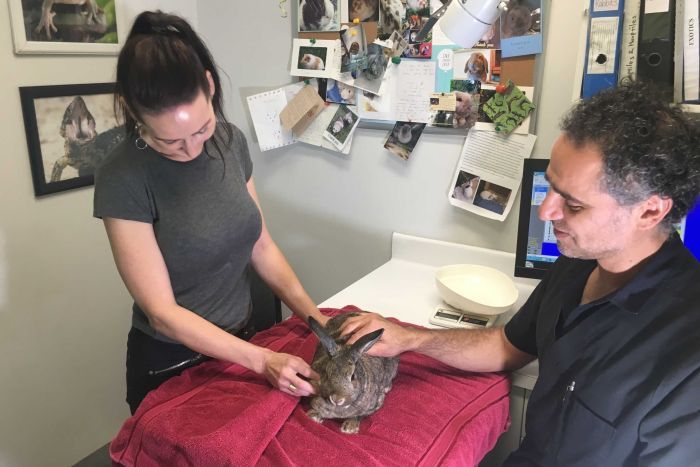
395 339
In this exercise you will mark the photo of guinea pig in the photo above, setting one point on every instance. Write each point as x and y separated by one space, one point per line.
477 67
340 93
311 62
353 384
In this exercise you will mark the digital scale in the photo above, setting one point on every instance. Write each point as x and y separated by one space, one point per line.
450 318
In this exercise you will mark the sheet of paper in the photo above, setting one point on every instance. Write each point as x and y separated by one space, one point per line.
603 43
416 81
606 5
488 173
265 111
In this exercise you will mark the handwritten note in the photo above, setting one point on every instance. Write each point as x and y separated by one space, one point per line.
416 81
265 111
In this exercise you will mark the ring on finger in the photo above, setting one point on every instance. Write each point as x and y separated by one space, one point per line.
292 387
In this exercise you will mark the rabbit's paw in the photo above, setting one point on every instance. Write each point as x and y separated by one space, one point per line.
314 415
351 425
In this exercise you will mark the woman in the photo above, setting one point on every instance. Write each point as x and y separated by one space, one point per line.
183 219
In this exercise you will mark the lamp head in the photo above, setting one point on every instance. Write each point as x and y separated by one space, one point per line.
464 22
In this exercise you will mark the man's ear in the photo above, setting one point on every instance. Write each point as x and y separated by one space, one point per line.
652 211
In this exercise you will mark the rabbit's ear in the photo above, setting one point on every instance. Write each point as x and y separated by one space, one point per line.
364 343
326 340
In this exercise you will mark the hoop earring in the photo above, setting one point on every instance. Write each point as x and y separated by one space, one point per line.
139 142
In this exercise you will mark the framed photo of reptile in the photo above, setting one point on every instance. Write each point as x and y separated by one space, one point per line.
65 26
70 129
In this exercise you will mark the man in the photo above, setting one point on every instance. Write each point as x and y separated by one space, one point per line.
616 322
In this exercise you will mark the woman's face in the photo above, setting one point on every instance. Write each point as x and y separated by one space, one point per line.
179 133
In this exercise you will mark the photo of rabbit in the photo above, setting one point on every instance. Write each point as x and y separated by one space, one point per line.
466 109
466 186
477 67
403 138
521 19
352 385
318 15
341 126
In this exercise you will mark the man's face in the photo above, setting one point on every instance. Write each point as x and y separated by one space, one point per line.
588 223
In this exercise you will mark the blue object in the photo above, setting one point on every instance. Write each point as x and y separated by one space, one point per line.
593 80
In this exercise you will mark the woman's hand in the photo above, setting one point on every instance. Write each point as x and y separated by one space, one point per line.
290 374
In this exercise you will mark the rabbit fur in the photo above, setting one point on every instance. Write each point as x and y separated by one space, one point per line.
352 385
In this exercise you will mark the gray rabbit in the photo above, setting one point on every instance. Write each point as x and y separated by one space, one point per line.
353 385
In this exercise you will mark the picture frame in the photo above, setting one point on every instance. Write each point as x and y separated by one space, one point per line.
91 28
70 129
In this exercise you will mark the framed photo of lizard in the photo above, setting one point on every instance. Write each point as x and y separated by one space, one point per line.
70 130
65 26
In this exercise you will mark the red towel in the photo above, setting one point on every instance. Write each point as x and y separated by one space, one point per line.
222 414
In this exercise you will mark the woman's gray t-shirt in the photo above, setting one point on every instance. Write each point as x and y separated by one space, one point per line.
204 219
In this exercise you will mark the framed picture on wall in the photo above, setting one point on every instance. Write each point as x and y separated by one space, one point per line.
65 26
70 130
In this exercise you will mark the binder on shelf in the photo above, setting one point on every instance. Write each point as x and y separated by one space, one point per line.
656 44
691 52
630 39
603 41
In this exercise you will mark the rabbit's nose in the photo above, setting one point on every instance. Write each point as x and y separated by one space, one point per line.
337 400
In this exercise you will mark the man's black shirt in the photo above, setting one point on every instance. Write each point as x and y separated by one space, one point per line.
619 378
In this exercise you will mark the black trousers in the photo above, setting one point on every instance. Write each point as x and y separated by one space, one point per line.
150 362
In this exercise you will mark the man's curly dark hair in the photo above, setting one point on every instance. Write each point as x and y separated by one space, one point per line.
649 146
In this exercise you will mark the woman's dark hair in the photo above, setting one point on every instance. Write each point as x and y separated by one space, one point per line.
649 146
162 64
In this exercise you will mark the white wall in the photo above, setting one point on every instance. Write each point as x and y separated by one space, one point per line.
64 312
333 215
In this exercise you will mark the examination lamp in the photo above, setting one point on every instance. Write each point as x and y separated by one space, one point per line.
464 21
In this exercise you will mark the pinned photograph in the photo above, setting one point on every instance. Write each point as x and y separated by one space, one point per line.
370 79
353 49
417 15
312 59
521 19
443 101
465 85
398 44
340 93
403 138
341 126
491 38
363 10
492 197
471 64
319 15
521 28
466 187
391 19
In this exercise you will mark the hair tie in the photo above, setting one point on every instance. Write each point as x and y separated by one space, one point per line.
165 29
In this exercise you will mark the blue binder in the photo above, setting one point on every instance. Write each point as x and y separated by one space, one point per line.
603 42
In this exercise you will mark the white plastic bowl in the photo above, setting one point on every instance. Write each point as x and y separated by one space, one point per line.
477 289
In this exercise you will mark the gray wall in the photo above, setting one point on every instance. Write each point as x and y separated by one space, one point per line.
64 312
333 215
